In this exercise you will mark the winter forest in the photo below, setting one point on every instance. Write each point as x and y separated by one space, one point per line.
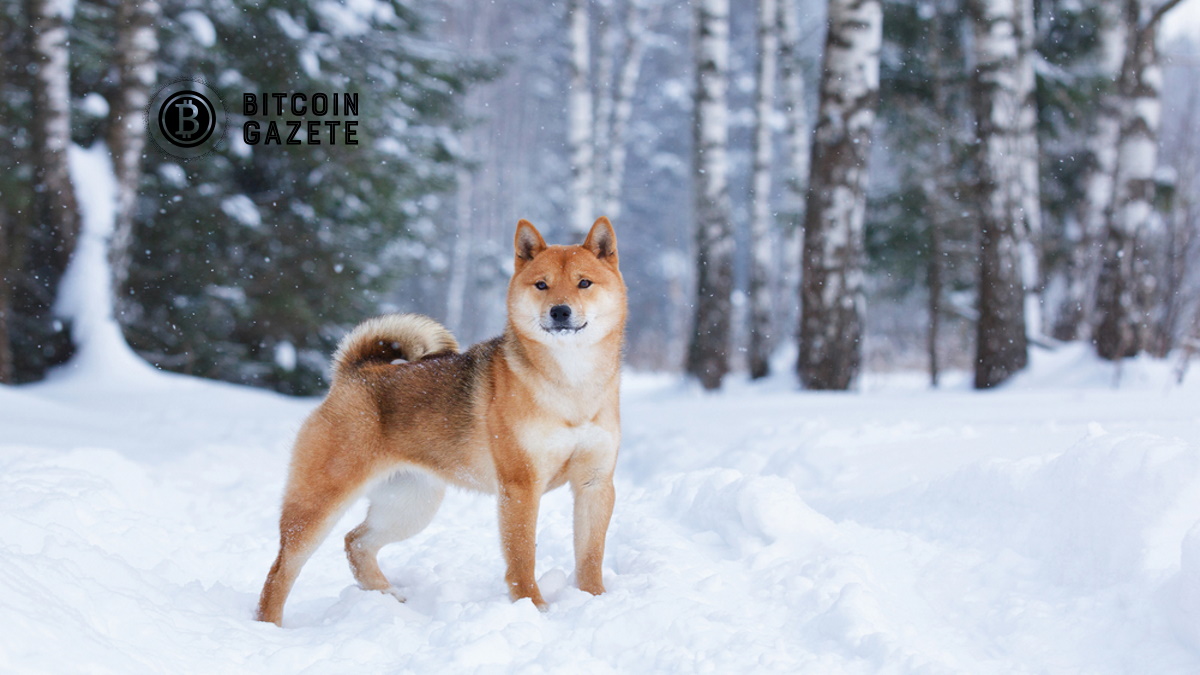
913 200
824 187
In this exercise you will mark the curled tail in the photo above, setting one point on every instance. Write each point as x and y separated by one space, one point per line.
385 339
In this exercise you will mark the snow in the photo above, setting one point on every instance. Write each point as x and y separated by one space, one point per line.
84 296
201 27
1049 526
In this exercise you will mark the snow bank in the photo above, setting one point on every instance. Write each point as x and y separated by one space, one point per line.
1041 528
85 294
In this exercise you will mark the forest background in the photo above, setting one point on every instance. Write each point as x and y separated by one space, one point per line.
829 187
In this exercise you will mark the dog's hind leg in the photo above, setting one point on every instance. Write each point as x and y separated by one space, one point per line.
401 506
322 484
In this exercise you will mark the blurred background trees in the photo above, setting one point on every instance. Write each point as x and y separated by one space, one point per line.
1019 179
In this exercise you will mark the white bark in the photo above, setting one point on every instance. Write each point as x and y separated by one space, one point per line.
1126 293
1006 193
762 232
795 164
623 90
1029 195
56 206
708 353
832 300
579 118
137 48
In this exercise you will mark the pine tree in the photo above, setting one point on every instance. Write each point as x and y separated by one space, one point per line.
832 302
916 232
1103 49
250 262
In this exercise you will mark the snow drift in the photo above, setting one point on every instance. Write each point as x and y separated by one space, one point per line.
1043 528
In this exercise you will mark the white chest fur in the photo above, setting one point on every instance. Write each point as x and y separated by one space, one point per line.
555 442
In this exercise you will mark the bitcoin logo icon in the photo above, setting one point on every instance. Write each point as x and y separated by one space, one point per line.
183 120
188 114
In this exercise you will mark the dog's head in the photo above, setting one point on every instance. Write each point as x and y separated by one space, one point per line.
566 292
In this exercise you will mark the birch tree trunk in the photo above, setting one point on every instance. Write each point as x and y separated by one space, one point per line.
1000 101
55 207
795 172
632 53
763 241
1087 236
1126 286
137 47
7 281
832 302
1029 197
708 352
579 118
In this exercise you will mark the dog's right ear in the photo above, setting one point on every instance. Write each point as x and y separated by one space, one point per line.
527 244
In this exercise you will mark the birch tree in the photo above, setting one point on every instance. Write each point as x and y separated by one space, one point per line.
708 351
55 207
137 47
1125 288
794 169
1006 190
579 117
625 65
832 302
762 306
6 284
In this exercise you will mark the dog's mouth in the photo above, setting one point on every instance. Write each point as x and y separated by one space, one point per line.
563 329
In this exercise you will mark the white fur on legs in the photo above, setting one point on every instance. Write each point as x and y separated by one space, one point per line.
401 506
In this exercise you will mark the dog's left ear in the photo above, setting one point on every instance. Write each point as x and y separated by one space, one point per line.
527 244
602 241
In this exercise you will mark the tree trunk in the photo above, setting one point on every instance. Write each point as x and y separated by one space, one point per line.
55 207
579 118
1086 237
7 280
633 51
137 47
1125 289
1000 106
832 302
763 241
795 172
708 352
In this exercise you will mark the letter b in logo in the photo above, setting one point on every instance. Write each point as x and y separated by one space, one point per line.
183 119
186 119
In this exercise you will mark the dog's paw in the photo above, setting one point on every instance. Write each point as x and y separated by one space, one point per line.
595 588
395 593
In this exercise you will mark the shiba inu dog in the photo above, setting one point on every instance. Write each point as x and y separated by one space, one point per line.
408 414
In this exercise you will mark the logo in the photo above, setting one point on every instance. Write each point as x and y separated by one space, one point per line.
186 119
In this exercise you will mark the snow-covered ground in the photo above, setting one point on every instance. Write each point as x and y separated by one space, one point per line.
1048 527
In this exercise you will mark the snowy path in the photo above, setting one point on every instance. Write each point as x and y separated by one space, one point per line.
1040 529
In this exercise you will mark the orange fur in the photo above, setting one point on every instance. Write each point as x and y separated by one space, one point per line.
518 415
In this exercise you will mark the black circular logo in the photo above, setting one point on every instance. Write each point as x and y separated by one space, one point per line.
186 119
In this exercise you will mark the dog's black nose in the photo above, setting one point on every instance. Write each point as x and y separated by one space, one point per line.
560 313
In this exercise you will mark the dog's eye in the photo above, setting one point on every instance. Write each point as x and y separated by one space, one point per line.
584 283
541 286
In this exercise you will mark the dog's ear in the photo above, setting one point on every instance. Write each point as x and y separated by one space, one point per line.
602 241
527 244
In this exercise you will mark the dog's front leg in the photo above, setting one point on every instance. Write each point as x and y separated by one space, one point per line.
594 496
518 535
